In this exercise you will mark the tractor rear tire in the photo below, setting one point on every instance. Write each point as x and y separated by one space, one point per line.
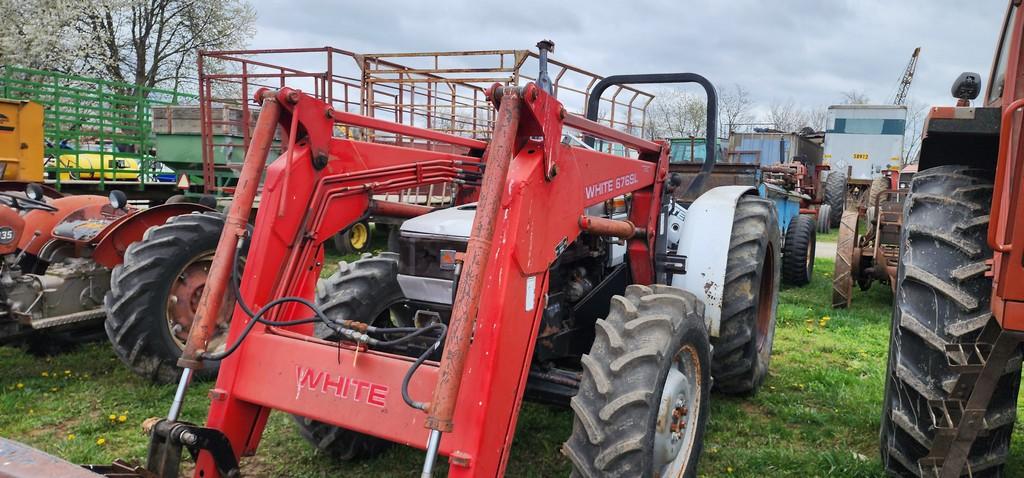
364 291
942 297
354 240
140 300
643 401
743 347
798 251
875 194
835 196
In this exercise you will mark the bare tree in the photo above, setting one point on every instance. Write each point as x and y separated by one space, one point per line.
917 112
676 114
817 118
786 115
855 97
734 106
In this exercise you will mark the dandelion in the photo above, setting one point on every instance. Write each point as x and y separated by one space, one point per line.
112 417
31 411
67 372
21 385
71 436
122 418
54 389
101 441
45 374
728 470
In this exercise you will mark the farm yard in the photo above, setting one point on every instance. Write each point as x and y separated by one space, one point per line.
817 414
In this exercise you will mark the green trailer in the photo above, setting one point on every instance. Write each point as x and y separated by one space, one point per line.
98 133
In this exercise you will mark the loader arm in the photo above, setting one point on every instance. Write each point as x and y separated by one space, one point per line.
321 185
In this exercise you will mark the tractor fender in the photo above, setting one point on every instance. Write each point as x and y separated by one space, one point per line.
113 241
704 241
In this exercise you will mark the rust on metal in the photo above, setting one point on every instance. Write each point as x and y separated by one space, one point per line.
600 226
18 460
235 225
464 310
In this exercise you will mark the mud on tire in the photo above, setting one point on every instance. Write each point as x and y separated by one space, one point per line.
942 297
620 399
743 347
140 288
363 290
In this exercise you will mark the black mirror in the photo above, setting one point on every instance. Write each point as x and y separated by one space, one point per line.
34 192
967 86
118 199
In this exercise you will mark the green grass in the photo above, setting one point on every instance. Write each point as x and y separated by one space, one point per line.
817 414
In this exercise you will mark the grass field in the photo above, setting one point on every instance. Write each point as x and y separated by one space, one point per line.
817 415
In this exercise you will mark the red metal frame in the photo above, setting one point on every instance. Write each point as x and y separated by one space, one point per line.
1006 230
301 207
114 240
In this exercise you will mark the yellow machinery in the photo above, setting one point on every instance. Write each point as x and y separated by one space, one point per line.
21 140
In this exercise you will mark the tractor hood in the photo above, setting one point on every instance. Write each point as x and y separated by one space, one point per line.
450 223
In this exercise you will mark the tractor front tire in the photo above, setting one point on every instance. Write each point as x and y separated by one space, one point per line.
154 292
835 196
798 251
743 347
642 405
365 291
942 297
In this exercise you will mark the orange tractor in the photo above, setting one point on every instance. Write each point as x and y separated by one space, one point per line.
57 254
954 365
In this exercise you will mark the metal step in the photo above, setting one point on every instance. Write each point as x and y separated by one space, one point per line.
68 319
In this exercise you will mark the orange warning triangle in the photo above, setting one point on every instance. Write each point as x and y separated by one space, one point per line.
183 182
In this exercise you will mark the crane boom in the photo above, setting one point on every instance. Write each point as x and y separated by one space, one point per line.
908 76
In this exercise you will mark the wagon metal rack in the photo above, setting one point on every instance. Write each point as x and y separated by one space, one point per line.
443 91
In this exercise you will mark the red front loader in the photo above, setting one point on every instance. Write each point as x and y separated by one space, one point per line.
563 274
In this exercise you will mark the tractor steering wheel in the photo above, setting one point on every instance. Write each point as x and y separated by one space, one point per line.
23 203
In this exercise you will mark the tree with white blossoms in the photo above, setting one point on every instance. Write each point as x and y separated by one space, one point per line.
146 43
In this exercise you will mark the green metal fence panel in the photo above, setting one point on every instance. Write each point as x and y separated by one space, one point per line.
96 130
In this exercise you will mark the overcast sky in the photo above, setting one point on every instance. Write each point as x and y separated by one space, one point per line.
809 51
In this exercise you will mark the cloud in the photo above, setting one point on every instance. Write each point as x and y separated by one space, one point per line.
806 50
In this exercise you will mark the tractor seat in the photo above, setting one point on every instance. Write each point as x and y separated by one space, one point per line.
81 230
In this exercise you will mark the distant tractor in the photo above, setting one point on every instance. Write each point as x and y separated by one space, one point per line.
867 248
785 168
954 365
56 257
861 143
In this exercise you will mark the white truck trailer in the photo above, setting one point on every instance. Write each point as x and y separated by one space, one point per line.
861 143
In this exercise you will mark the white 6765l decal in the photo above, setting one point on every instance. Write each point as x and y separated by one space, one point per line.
610 185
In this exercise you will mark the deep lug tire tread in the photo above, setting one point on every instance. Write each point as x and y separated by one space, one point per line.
356 291
623 376
941 298
136 303
738 367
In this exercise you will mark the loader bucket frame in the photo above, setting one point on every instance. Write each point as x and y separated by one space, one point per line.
321 185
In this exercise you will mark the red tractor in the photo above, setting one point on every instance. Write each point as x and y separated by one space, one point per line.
56 257
955 353
562 274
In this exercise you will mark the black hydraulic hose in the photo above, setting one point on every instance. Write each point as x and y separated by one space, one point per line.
415 365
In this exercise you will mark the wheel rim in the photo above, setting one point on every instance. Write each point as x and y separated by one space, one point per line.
765 294
842 281
358 236
678 412
183 300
